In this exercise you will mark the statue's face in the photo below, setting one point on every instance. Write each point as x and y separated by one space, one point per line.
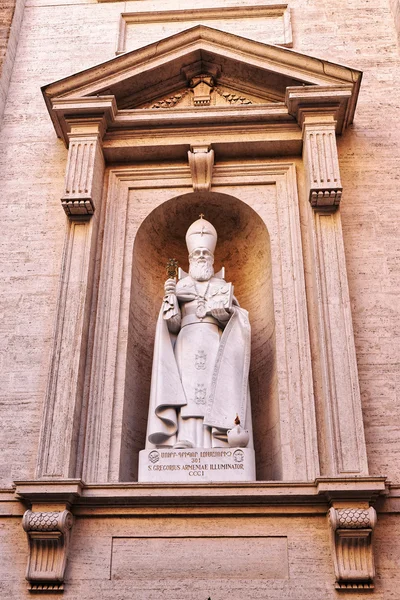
201 255
201 264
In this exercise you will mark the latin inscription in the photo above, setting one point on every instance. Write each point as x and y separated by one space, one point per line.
200 464
197 464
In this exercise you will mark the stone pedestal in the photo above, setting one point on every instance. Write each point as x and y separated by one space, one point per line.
200 465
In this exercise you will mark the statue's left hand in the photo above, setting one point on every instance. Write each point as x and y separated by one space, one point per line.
220 312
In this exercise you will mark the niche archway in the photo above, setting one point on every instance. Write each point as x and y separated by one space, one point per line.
243 248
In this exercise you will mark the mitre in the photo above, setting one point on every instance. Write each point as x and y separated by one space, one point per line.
201 234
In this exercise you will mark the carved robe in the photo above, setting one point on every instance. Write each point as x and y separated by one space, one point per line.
200 376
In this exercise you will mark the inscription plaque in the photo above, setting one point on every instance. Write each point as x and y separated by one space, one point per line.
197 465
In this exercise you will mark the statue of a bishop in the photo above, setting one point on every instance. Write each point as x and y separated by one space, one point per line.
201 355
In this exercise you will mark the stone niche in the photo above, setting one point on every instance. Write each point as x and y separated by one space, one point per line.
244 250
139 171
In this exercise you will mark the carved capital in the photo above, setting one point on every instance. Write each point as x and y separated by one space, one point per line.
201 162
85 167
48 536
321 163
351 537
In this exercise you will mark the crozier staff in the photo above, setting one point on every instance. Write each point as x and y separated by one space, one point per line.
201 355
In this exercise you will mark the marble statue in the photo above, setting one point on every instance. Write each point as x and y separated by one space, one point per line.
199 388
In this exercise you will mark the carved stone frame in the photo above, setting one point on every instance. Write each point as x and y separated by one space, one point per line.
321 412
298 427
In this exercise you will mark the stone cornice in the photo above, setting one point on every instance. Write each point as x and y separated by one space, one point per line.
337 101
52 491
146 124
64 112
311 84
310 70
321 492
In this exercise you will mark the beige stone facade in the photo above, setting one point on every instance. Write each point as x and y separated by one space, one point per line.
122 122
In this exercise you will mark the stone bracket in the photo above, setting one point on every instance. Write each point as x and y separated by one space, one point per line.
201 162
324 188
48 536
85 167
351 538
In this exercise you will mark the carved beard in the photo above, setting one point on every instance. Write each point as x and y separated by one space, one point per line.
201 271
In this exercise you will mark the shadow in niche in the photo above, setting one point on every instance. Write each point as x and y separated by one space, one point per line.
243 248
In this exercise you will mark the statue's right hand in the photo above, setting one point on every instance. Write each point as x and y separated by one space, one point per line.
170 286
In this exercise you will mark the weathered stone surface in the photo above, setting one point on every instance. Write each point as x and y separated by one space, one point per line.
57 40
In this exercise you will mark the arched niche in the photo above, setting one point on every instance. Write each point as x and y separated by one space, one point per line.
243 248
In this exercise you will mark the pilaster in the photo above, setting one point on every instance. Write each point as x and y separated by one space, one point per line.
83 191
344 442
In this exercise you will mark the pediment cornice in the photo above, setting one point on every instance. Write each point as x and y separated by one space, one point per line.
269 81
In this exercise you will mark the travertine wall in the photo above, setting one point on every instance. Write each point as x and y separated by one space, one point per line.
58 39
11 14
103 559
395 5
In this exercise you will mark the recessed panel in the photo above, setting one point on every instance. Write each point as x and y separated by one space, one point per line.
200 558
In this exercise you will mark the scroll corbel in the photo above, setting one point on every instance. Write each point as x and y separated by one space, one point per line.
48 535
351 538
201 163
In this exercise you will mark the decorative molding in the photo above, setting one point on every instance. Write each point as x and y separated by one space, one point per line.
229 498
201 91
171 101
335 101
48 536
321 163
82 156
201 162
231 97
102 396
59 439
275 22
320 83
351 537
202 86
63 491
105 418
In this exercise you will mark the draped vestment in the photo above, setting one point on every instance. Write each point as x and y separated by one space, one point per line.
200 375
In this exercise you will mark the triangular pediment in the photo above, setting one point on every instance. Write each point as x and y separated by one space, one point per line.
201 62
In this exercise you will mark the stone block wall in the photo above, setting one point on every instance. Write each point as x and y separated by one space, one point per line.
56 41
51 40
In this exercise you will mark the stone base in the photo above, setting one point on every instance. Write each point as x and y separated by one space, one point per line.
201 465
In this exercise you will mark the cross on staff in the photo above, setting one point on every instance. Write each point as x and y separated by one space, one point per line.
172 268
